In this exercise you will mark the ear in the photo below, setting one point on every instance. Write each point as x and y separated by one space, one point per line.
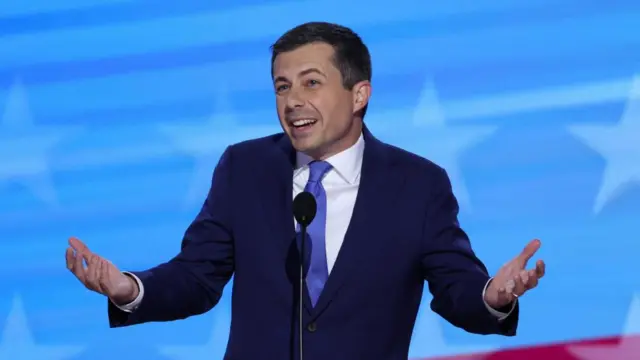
361 94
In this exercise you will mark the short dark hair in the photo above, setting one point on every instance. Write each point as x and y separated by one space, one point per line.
351 56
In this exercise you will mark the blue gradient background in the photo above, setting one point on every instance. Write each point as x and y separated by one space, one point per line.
113 114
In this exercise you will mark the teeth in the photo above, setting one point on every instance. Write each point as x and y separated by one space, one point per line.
303 122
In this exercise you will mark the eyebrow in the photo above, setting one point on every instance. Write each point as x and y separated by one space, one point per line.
302 73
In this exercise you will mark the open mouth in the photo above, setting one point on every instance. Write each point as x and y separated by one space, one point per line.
303 123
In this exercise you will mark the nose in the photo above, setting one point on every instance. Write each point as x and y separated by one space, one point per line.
294 99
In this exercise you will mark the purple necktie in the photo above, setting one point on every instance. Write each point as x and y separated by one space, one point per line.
318 271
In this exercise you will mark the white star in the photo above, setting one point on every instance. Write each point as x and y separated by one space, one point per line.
18 344
206 140
627 348
619 146
428 339
216 345
24 148
431 137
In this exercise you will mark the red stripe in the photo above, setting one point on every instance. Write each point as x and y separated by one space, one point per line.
612 348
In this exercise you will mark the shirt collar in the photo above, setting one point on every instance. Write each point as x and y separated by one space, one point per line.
347 163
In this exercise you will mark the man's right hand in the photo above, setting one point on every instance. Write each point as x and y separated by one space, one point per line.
99 274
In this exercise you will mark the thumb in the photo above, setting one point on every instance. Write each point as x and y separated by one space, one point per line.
528 251
79 246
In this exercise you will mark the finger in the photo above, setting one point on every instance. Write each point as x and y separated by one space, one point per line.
529 251
103 278
70 258
99 275
92 272
506 293
525 279
540 268
519 286
510 285
533 279
78 245
78 267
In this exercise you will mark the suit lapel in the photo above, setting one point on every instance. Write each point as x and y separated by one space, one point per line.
379 184
277 184
277 205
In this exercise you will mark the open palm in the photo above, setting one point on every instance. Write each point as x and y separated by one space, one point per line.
98 274
513 280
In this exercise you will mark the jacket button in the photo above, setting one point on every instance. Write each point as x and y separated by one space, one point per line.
312 327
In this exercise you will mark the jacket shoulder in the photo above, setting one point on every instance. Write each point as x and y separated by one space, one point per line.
414 164
257 147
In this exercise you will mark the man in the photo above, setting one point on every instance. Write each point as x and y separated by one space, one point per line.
386 222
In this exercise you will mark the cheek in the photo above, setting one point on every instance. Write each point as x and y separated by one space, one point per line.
325 106
336 113
280 109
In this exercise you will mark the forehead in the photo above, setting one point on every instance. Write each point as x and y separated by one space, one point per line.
315 55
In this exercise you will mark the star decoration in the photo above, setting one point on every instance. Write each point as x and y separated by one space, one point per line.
429 135
620 147
428 340
216 345
24 148
18 343
206 140
627 348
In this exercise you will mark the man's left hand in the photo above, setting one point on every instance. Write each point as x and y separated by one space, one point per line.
513 280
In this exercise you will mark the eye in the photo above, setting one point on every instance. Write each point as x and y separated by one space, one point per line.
281 88
313 82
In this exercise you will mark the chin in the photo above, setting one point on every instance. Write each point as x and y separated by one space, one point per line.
302 145
305 145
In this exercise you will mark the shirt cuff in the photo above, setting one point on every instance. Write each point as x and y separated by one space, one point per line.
499 314
132 306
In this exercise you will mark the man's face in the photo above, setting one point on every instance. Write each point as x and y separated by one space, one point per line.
314 108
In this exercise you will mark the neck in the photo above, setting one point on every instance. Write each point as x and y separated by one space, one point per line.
348 140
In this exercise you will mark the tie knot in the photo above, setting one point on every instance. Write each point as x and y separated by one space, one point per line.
317 170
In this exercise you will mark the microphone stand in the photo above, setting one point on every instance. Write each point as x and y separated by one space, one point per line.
303 228
304 210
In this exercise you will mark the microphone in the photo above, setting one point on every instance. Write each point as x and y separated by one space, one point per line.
304 211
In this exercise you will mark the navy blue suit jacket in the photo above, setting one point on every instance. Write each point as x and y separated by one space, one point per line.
404 230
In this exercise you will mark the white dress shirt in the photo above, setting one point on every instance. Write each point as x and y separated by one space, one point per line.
341 186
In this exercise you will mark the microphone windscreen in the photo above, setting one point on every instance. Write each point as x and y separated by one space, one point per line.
304 208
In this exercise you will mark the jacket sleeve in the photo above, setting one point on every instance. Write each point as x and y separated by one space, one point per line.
456 277
192 282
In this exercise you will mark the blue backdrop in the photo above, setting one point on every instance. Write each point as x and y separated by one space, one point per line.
113 114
